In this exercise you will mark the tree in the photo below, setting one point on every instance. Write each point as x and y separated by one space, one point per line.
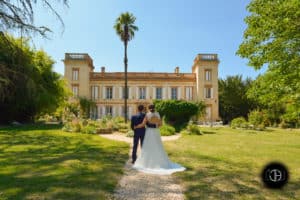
269 92
28 84
86 106
272 38
19 15
125 28
178 112
233 101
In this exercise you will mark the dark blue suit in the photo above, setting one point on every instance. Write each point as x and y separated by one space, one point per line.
139 133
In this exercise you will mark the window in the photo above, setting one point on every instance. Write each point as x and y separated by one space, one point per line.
174 93
75 90
94 113
95 92
142 93
109 93
75 73
208 75
208 92
123 92
188 93
108 110
158 93
123 111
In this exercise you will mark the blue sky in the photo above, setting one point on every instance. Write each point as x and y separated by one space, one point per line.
171 33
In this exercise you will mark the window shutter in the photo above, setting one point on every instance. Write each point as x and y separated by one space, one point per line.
103 92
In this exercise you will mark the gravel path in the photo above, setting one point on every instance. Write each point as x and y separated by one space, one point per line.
136 185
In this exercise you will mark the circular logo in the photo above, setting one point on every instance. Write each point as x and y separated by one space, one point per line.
275 175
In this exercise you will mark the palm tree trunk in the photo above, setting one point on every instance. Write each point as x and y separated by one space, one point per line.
126 95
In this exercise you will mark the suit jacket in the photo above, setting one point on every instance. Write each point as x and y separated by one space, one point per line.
136 120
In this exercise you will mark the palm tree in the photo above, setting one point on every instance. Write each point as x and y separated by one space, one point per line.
125 28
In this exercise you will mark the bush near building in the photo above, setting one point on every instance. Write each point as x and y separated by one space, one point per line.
178 112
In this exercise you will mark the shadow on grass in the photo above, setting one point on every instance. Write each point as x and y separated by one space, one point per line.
30 127
209 132
253 131
47 165
228 180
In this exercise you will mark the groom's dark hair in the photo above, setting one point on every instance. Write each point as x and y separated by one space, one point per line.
140 108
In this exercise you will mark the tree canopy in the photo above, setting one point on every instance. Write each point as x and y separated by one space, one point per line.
272 39
125 26
233 101
19 15
28 84
273 34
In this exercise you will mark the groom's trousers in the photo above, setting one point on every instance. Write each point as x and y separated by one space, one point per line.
138 137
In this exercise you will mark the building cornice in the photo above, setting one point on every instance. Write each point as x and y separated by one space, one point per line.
140 76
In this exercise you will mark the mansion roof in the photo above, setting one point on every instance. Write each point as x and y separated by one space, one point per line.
143 76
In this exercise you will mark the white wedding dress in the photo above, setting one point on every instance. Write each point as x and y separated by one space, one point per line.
153 159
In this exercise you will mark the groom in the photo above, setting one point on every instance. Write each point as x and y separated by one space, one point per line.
139 133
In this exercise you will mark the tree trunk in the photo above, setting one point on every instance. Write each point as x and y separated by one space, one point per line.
126 95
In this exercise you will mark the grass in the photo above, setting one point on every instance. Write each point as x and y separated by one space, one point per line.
42 162
226 164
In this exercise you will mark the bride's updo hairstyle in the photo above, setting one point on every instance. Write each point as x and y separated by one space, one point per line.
151 108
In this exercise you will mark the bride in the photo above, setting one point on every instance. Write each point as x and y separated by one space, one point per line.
153 158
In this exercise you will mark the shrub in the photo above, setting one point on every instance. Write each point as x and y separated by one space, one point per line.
93 123
166 130
119 119
283 124
123 127
257 119
74 126
110 125
191 129
67 127
239 122
178 112
89 130
184 132
123 130
130 133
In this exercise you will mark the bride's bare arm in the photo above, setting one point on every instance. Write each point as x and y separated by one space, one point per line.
160 121
159 124
142 124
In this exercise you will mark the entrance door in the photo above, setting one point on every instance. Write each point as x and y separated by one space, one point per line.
208 113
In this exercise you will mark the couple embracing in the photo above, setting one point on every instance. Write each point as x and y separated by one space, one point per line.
153 159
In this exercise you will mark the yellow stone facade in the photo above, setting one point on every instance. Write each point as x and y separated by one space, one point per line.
107 88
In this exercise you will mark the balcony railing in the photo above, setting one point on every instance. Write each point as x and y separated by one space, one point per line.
208 56
77 56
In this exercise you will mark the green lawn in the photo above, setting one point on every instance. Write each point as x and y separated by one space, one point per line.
226 164
42 162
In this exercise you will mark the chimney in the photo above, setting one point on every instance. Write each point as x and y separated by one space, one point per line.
103 69
176 70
